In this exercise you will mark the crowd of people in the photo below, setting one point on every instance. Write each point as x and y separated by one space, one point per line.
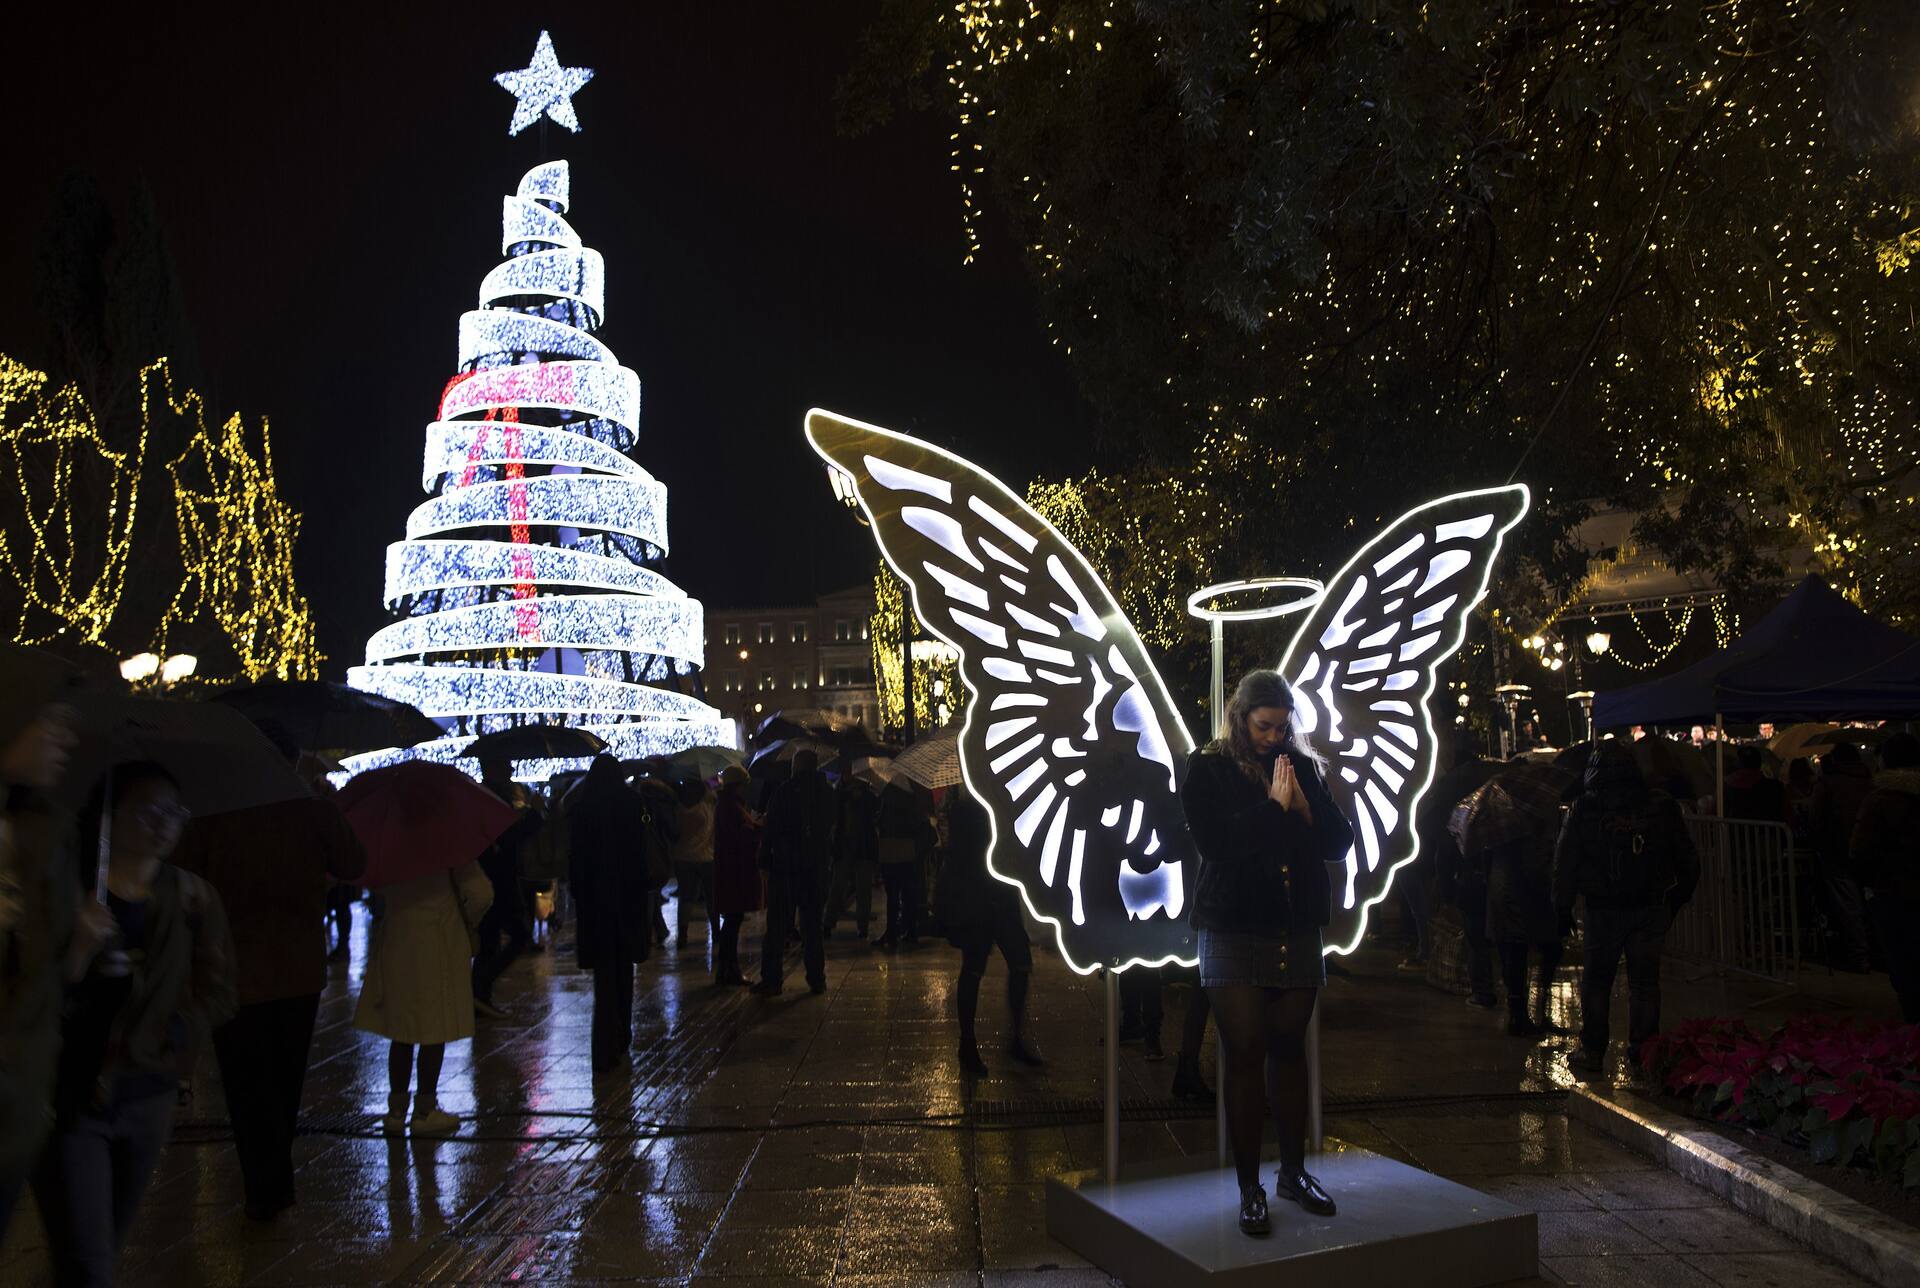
117 959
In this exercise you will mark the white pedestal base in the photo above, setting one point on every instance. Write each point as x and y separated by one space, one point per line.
1396 1225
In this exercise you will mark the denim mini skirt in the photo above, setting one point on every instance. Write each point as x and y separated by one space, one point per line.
1236 957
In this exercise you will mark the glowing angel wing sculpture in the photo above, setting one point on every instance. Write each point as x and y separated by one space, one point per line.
1071 740
1363 666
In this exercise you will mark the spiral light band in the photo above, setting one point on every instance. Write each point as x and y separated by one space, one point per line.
417 567
454 445
520 582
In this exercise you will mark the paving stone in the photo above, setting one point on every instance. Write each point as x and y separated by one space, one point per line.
826 1141
1707 1230
1625 1272
1797 1269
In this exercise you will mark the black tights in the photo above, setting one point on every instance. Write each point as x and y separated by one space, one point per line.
400 1071
1264 1027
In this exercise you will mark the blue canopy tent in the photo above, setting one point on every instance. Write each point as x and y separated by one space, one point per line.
1815 656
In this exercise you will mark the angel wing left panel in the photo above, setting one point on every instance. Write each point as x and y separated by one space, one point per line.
1070 741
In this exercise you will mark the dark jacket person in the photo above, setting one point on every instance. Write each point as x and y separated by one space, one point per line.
607 832
797 847
1265 829
1624 851
272 866
38 905
1886 853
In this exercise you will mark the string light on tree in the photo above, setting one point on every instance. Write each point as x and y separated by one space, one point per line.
237 536
76 541
67 542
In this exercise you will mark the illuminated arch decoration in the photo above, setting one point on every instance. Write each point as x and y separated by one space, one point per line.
1071 740
520 589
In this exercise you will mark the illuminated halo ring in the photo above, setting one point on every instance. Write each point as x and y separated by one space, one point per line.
1197 601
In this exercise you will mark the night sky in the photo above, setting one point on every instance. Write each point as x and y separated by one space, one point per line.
330 186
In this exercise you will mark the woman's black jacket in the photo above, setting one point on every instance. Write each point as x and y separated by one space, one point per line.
1262 868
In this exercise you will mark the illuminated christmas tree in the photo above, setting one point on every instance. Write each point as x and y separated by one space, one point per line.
521 586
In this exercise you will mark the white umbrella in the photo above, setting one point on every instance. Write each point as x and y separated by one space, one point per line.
933 761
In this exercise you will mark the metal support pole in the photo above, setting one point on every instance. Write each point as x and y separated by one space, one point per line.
1113 1076
1217 689
906 680
1719 766
1316 1129
1224 1143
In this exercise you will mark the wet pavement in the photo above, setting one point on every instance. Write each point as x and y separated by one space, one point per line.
817 1140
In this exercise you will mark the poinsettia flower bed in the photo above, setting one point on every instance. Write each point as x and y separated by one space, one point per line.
1848 1093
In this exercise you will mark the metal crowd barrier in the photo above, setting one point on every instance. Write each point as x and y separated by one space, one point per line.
1745 914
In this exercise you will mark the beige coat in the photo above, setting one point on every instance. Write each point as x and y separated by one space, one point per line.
417 988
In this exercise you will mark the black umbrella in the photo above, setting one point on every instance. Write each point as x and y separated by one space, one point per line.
536 742
220 760
323 714
770 762
802 722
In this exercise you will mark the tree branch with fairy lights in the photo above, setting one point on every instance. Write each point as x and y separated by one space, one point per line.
1651 252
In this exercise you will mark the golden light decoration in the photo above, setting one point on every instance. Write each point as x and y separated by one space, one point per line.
938 695
65 547
236 540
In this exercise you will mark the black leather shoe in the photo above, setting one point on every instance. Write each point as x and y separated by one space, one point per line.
1253 1212
1301 1188
970 1061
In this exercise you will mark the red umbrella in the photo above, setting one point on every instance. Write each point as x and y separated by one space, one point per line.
417 818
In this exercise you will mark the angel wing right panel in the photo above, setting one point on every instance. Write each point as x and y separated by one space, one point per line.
1364 665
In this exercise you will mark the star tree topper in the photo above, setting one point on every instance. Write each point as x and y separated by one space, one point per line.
544 86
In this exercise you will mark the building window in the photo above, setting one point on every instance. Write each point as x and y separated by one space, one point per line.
800 678
766 632
732 682
841 631
865 627
860 715
733 632
798 635
766 681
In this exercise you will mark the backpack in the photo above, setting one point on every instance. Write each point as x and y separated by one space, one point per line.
1634 851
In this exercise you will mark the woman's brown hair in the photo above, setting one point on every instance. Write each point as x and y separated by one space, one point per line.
1261 689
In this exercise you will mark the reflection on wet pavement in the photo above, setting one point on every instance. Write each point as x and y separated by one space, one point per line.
834 1140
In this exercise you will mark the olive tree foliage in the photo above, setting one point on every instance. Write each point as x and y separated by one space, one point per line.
1651 252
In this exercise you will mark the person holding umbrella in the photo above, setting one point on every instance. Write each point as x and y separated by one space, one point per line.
798 851
131 1013
424 827
506 912
608 834
905 841
856 855
273 867
37 905
979 914
1507 827
692 854
737 887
